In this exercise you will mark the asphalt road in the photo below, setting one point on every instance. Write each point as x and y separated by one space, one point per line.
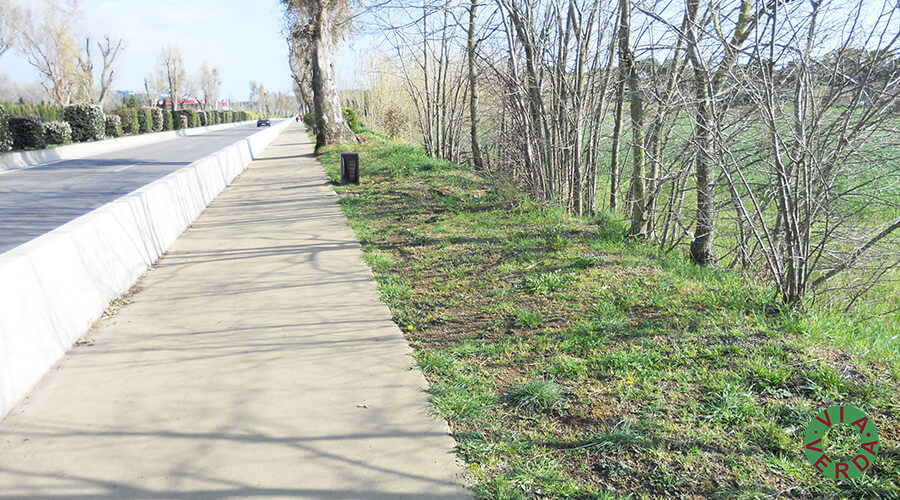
39 199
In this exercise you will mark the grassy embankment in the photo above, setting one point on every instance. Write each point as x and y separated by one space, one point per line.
573 364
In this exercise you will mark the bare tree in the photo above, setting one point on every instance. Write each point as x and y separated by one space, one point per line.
84 81
10 17
173 73
154 86
765 126
50 47
321 23
707 84
638 227
301 69
471 42
830 156
210 84
109 50
260 97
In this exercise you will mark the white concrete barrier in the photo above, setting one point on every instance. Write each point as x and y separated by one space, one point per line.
26 159
54 287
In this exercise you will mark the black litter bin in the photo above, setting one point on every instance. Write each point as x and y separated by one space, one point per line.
349 168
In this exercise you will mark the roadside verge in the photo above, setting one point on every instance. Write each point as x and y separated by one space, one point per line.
53 287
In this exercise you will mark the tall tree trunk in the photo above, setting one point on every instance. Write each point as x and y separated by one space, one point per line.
638 227
702 244
601 114
617 131
473 89
331 128
706 89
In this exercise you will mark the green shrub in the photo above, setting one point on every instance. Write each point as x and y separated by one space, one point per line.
47 113
57 132
352 119
27 132
204 118
129 118
185 118
113 126
5 137
309 119
131 102
213 117
86 121
145 121
167 123
156 115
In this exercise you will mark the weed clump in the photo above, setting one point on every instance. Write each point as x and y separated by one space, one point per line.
535 396
546 283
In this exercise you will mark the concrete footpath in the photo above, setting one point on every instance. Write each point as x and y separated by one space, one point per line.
256 361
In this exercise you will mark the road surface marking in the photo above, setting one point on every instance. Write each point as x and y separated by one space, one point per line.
126 167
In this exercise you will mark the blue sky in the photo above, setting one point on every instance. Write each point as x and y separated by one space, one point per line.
242 38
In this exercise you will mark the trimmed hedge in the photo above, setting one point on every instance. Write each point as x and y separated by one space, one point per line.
145 121
129 120
113 126
167 122
86 121
81 124
156 115
190 117
27 132
57 132
47 112
5 137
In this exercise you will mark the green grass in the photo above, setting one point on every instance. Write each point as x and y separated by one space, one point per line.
573 364
535 396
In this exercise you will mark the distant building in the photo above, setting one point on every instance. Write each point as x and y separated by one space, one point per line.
182 104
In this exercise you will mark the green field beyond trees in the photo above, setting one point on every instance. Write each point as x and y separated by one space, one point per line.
571 363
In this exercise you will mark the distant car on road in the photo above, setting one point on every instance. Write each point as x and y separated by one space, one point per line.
263 122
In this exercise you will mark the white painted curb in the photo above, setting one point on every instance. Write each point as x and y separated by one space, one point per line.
28 159
55 286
